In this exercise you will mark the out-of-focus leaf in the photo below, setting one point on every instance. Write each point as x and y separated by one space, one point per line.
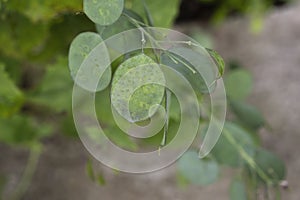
145 96
202 38
163 14
89 170
198 171
103 12
122 24
148 14
247 114
271 165
20 129
43 10
68 126
21 38
11 98
238 190
226 153
100 179
55 89
181 180
238 84
62 31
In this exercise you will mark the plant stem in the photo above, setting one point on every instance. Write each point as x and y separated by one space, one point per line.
35 152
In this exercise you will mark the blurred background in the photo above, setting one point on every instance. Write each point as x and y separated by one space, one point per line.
41 156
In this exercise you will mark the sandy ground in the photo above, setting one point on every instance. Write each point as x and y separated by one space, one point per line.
273 56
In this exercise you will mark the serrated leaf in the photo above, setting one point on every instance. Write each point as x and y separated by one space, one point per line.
137 107
218 60
103 12
247 114
238 190
238 84
11 98
55 89
226 153
81 49
22 130
198 171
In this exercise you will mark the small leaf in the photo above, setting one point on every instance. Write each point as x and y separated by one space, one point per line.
83 49
238 190
218 60
238 84
139 70
103 12
198 171
227 154
100 180
247 114
90 170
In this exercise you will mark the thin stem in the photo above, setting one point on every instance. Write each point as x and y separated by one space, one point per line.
166 127
35 152
156 43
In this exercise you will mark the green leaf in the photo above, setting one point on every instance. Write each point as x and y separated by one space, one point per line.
80 50
148 14
163 14
43 10
247 114
197 171
238 190
121 139
226 153
144 97
22 130
238 84
21 38
55 89
100 180
103 12
122 24
89 170
11 98
218 60
271 165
